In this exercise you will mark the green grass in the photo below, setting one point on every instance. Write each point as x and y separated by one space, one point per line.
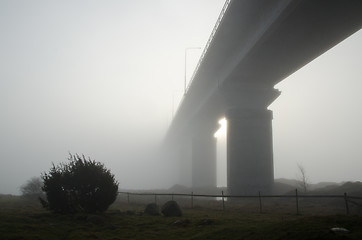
22 219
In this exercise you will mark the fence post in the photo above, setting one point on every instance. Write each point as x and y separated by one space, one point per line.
172 196
260 206
223 201
128 197
296 200
192 199
346 202
156 199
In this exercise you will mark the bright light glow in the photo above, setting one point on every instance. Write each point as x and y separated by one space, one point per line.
220 134
222 130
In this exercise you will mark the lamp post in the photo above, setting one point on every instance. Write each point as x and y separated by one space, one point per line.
186 49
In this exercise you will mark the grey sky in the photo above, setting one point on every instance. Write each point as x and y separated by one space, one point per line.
98 77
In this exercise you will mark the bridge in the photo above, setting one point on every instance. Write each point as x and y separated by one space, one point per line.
255 45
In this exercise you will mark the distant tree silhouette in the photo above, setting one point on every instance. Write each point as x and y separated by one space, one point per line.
81 185
32 188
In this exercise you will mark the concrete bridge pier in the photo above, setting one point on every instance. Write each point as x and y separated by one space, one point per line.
249 151
250 140
204 157
184 159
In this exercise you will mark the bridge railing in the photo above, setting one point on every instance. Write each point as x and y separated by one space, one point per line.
206 48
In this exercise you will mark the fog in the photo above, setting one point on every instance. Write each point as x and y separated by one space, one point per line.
317 118
103 79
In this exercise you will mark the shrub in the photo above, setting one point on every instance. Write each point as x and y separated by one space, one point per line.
80 185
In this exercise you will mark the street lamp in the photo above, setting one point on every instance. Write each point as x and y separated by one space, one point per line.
186 49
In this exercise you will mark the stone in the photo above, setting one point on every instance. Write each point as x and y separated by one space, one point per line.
181 223
206 222
152 209
171 209
339 230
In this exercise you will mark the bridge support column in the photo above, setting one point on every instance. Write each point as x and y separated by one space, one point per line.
250 166
204 159
185 163
249 151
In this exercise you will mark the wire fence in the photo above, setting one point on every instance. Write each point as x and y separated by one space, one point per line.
302 203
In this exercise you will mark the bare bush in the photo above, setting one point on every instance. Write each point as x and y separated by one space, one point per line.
302 178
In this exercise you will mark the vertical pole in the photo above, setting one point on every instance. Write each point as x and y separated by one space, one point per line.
192 199
156 199
185 71
260 206
296 200
223 201
346 202
172 196
128 197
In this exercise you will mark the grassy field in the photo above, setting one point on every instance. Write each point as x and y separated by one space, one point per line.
24 219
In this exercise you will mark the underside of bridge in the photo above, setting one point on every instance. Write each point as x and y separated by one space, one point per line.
257 44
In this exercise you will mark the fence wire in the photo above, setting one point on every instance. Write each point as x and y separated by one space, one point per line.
297 203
